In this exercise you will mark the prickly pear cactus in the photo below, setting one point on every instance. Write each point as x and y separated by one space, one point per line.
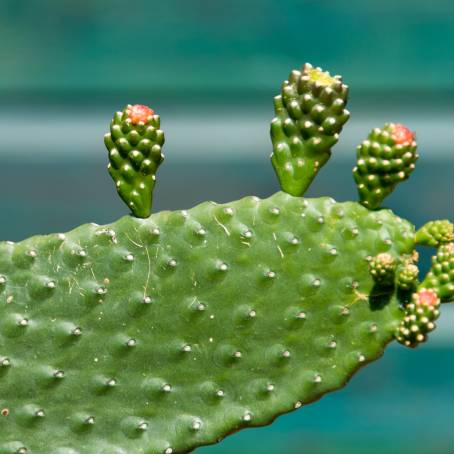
160 334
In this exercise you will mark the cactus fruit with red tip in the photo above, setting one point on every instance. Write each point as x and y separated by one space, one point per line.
135 145
385 159
420 315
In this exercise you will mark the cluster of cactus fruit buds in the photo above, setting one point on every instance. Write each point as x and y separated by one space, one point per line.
422 310
425 298
135 153
388 271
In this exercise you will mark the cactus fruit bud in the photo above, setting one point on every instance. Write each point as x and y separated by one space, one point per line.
382 268
134 145
435 233
419 318
407 277
310 113
386 158
441 275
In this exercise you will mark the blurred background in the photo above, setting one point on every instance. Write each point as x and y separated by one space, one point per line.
210 68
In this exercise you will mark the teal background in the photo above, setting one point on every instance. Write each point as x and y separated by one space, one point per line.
211 68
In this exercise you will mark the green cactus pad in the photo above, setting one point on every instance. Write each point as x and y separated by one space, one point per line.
386 158
435 233
163 334
441 275
310 113
134 143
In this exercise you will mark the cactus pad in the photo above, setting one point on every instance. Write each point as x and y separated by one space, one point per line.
159 335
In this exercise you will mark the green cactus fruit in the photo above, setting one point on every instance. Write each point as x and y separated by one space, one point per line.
435 233
159 335
441 275
407 276
310 113
134 143
420 315
386 158
382 268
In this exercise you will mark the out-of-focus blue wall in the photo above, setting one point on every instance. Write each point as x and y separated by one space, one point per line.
210 68
179 45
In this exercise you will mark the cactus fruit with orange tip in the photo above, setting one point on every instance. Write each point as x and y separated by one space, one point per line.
420 315
385 159
135 145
